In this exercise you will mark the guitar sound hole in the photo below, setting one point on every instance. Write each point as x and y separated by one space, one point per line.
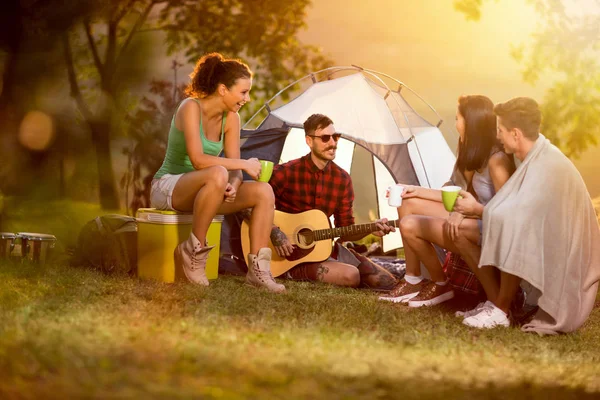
305 237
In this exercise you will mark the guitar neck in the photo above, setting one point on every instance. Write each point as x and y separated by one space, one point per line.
324 234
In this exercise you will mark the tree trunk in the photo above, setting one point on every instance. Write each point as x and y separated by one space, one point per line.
6 100
100 127
109 199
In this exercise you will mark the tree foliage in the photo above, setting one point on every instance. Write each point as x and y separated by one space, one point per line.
148 127
261 32
31 65
565 44
102 44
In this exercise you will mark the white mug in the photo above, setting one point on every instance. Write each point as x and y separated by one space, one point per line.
395 195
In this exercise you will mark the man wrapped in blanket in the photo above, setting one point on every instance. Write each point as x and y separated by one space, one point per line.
540 227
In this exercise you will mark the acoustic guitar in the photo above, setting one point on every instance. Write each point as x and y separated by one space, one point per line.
311 234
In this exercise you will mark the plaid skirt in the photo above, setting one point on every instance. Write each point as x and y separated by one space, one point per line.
460 275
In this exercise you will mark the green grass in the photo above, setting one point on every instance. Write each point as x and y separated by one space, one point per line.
74 333
69 332
63 218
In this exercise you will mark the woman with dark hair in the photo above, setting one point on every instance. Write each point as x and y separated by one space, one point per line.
424 220
193 178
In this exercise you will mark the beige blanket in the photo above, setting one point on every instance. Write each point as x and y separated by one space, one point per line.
541 226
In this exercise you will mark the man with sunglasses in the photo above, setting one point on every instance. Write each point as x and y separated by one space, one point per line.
315 182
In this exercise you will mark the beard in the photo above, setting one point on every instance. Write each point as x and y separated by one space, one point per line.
323 155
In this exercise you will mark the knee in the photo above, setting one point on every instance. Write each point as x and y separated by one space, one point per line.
463 244
409 225
407 207
218 176
264 193
350 277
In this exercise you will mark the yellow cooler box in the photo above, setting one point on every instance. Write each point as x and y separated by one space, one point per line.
159 232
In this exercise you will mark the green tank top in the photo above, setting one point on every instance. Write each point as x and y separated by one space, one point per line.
176 159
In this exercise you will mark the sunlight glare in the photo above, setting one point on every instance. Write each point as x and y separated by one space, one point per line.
36 131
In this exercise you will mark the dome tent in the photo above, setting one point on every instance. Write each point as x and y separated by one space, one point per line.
384 140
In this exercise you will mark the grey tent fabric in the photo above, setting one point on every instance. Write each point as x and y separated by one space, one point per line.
396 158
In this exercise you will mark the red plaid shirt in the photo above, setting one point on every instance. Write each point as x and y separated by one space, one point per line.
299 185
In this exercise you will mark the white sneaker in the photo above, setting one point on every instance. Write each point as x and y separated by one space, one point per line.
475 311
488 317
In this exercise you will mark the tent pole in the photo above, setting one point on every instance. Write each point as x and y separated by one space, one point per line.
355 68
414 138
404 85
374 74
311 76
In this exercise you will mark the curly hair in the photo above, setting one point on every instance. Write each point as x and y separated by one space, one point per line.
213 69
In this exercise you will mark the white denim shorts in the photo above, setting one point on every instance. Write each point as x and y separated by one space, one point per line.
161 192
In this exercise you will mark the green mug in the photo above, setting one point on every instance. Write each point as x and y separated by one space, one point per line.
449 196
266 169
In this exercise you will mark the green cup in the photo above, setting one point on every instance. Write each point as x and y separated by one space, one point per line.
449 196
266 169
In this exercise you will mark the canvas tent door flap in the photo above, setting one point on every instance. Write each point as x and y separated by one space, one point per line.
384 140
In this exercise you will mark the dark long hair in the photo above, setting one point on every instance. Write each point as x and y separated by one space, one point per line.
479 140
213 69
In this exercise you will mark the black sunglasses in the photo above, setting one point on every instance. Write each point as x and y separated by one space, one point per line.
326 138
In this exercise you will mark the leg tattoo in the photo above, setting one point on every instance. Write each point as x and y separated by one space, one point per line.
321 272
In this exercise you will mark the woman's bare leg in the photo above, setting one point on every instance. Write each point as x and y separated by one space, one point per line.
258 196
202 192
420 232
417 206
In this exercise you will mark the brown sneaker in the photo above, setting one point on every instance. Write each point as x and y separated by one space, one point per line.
404 291
431 295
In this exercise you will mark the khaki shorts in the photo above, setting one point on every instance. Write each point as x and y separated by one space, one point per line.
161 192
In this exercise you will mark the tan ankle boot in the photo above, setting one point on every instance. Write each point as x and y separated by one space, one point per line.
259 271
191 257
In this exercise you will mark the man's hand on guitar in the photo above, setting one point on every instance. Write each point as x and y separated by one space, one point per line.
383 227
282 244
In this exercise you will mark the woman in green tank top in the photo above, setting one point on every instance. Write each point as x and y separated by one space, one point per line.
193 178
